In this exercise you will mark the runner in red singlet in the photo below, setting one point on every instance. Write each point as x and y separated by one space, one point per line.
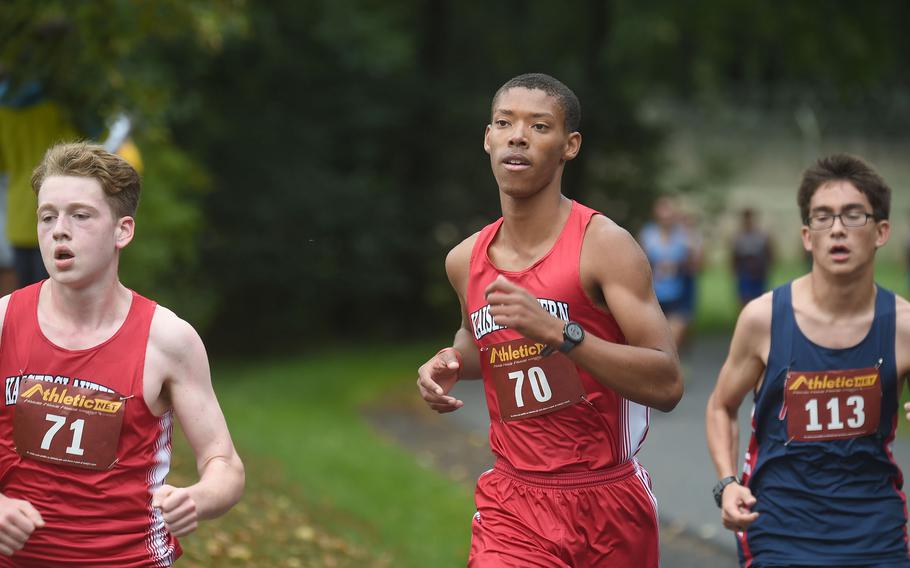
560 320
95 376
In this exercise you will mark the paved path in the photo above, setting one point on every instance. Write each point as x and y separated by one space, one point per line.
675 453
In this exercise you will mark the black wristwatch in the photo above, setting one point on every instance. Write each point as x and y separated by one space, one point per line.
720 486
572 335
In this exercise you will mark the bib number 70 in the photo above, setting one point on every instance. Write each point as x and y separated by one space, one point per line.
540 388
57 423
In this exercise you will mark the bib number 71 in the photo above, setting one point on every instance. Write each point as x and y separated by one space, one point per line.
57 423
540 388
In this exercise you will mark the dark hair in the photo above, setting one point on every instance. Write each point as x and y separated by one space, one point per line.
844 167
571 108
117 177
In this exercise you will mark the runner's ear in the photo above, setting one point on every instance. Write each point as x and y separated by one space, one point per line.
126 227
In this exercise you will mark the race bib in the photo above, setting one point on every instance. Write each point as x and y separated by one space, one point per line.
528 384
68 425
832 405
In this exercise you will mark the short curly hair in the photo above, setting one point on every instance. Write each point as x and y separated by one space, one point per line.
844 167
118 179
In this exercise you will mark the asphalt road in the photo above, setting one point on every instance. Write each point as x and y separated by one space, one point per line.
676 455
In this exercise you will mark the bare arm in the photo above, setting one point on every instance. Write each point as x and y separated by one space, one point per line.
436 377
614 269
177 353
902 342
740 374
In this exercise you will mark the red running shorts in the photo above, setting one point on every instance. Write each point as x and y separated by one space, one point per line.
605 518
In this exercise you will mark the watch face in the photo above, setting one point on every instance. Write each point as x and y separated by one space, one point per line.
574 332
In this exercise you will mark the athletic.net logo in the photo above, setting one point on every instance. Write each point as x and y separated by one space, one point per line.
12 384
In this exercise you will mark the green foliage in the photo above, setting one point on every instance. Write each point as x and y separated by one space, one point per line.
341 140
346 171
97 57
302 414
163 259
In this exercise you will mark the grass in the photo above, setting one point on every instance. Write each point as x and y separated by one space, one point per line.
718 307
323 489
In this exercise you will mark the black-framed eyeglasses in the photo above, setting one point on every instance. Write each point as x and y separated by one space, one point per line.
821 221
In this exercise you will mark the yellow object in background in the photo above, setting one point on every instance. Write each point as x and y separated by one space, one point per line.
130 152
25 135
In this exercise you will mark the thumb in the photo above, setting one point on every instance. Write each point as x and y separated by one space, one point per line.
160 495
33 515
450 358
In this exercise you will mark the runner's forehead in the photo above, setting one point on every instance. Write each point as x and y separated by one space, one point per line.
534 102
62 189
838 195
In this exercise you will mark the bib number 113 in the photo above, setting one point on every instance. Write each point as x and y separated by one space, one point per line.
833 406
540 388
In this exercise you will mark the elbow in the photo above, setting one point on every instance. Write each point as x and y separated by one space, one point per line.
241 482
234 484
671 394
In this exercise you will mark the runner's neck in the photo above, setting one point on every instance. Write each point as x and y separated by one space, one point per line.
530 227
92 311
837 297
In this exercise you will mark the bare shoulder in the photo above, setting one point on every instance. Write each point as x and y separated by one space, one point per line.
606 235
901 305
458 263
611 254
172 337
902 335
753 326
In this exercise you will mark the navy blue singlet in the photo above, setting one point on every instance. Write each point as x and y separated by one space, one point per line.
834 501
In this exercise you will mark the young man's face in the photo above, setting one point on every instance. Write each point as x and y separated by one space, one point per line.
841 249
78 233
527 141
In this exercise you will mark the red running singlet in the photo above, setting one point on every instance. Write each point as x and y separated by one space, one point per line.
566 489
598 429
93 517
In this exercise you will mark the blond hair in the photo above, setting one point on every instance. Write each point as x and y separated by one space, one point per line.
117 177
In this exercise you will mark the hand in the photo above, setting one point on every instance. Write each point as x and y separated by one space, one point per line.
907 409
736 510
178 509
18 520
514 307
435 379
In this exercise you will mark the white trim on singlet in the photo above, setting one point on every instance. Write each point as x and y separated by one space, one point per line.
161 551
635 420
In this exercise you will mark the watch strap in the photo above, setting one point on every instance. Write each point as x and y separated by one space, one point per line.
720 486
